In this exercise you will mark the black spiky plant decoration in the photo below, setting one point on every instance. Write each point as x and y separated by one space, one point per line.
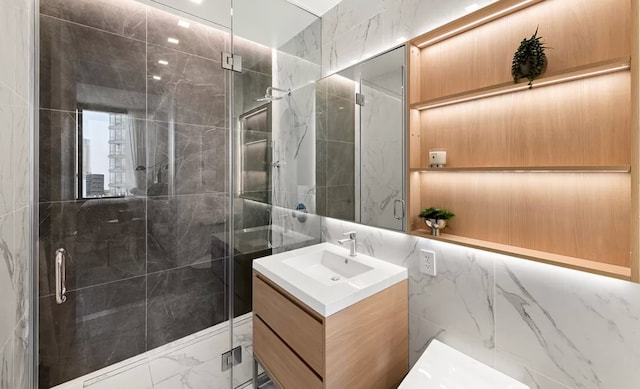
529 61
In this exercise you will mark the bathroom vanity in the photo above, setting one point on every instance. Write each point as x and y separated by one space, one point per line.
323 319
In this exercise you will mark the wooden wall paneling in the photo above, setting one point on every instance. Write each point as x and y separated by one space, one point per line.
634 230
356 361
576 31
414 65
583 215
415 202
573 214
579 123
479 200
415 143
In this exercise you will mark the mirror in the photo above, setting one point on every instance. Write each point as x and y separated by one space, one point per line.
360 129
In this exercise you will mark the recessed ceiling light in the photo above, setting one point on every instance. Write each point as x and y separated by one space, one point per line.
173 40
401 39
472 7
197 1
183 23
163 62
157 78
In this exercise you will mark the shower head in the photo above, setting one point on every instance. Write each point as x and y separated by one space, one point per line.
268 96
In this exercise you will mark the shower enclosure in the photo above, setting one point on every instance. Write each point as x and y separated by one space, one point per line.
146 228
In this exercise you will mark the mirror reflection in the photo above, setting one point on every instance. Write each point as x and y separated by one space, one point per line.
360 142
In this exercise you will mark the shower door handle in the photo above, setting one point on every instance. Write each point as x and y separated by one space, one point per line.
61 278
402 209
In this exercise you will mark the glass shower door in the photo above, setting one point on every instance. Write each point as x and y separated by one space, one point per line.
134 186
276 48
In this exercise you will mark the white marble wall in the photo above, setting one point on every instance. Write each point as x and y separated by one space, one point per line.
358 29
16 29
295 66
549 327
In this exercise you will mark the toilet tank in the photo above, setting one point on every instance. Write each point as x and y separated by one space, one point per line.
441 366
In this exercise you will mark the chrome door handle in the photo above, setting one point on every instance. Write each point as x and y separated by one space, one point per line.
395 209
61 278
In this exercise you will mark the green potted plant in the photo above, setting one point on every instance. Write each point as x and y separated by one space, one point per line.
529 61
436 219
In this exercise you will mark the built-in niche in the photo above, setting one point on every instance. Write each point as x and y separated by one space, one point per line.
546 173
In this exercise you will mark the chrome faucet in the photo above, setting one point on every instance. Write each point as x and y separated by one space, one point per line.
352 240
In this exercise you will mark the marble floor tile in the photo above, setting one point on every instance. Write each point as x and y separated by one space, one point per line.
138 377
192 362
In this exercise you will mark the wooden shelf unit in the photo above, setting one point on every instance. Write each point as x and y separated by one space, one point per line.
548 174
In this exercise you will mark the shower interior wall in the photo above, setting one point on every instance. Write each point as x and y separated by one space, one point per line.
142 270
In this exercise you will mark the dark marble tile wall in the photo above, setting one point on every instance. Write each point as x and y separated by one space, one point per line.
335 148
142 270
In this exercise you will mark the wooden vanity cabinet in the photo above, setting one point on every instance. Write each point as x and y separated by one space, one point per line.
362 346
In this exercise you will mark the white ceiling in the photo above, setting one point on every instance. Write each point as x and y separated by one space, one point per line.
316 7
268 22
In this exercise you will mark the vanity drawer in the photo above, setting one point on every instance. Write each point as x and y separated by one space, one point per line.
285 367
301 331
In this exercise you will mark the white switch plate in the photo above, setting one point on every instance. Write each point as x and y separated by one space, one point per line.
428 262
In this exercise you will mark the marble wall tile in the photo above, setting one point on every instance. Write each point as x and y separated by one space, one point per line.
104 240
7 45
422 331
8 271
353 32
94 328
180 230
108 65
199 159
255 57
465 280
185 300
6 160
57 149
21 358
192 89
7 361
340 163
198 39
579 329
122 17
21 277
307 44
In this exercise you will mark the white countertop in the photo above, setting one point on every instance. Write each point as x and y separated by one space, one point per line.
323 298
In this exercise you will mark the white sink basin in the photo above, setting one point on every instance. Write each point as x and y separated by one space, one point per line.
326 278
327 267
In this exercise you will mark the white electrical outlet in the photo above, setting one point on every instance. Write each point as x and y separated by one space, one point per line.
428 262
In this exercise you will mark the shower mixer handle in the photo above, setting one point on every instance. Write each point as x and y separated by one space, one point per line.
61 277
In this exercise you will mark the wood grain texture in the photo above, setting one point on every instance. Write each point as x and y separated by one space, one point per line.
367 343
414 201
289 371
579 123
475 19
414 63
582 215
634 230
302 332
577 32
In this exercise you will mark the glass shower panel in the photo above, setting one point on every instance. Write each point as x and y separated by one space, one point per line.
134 186
274 145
